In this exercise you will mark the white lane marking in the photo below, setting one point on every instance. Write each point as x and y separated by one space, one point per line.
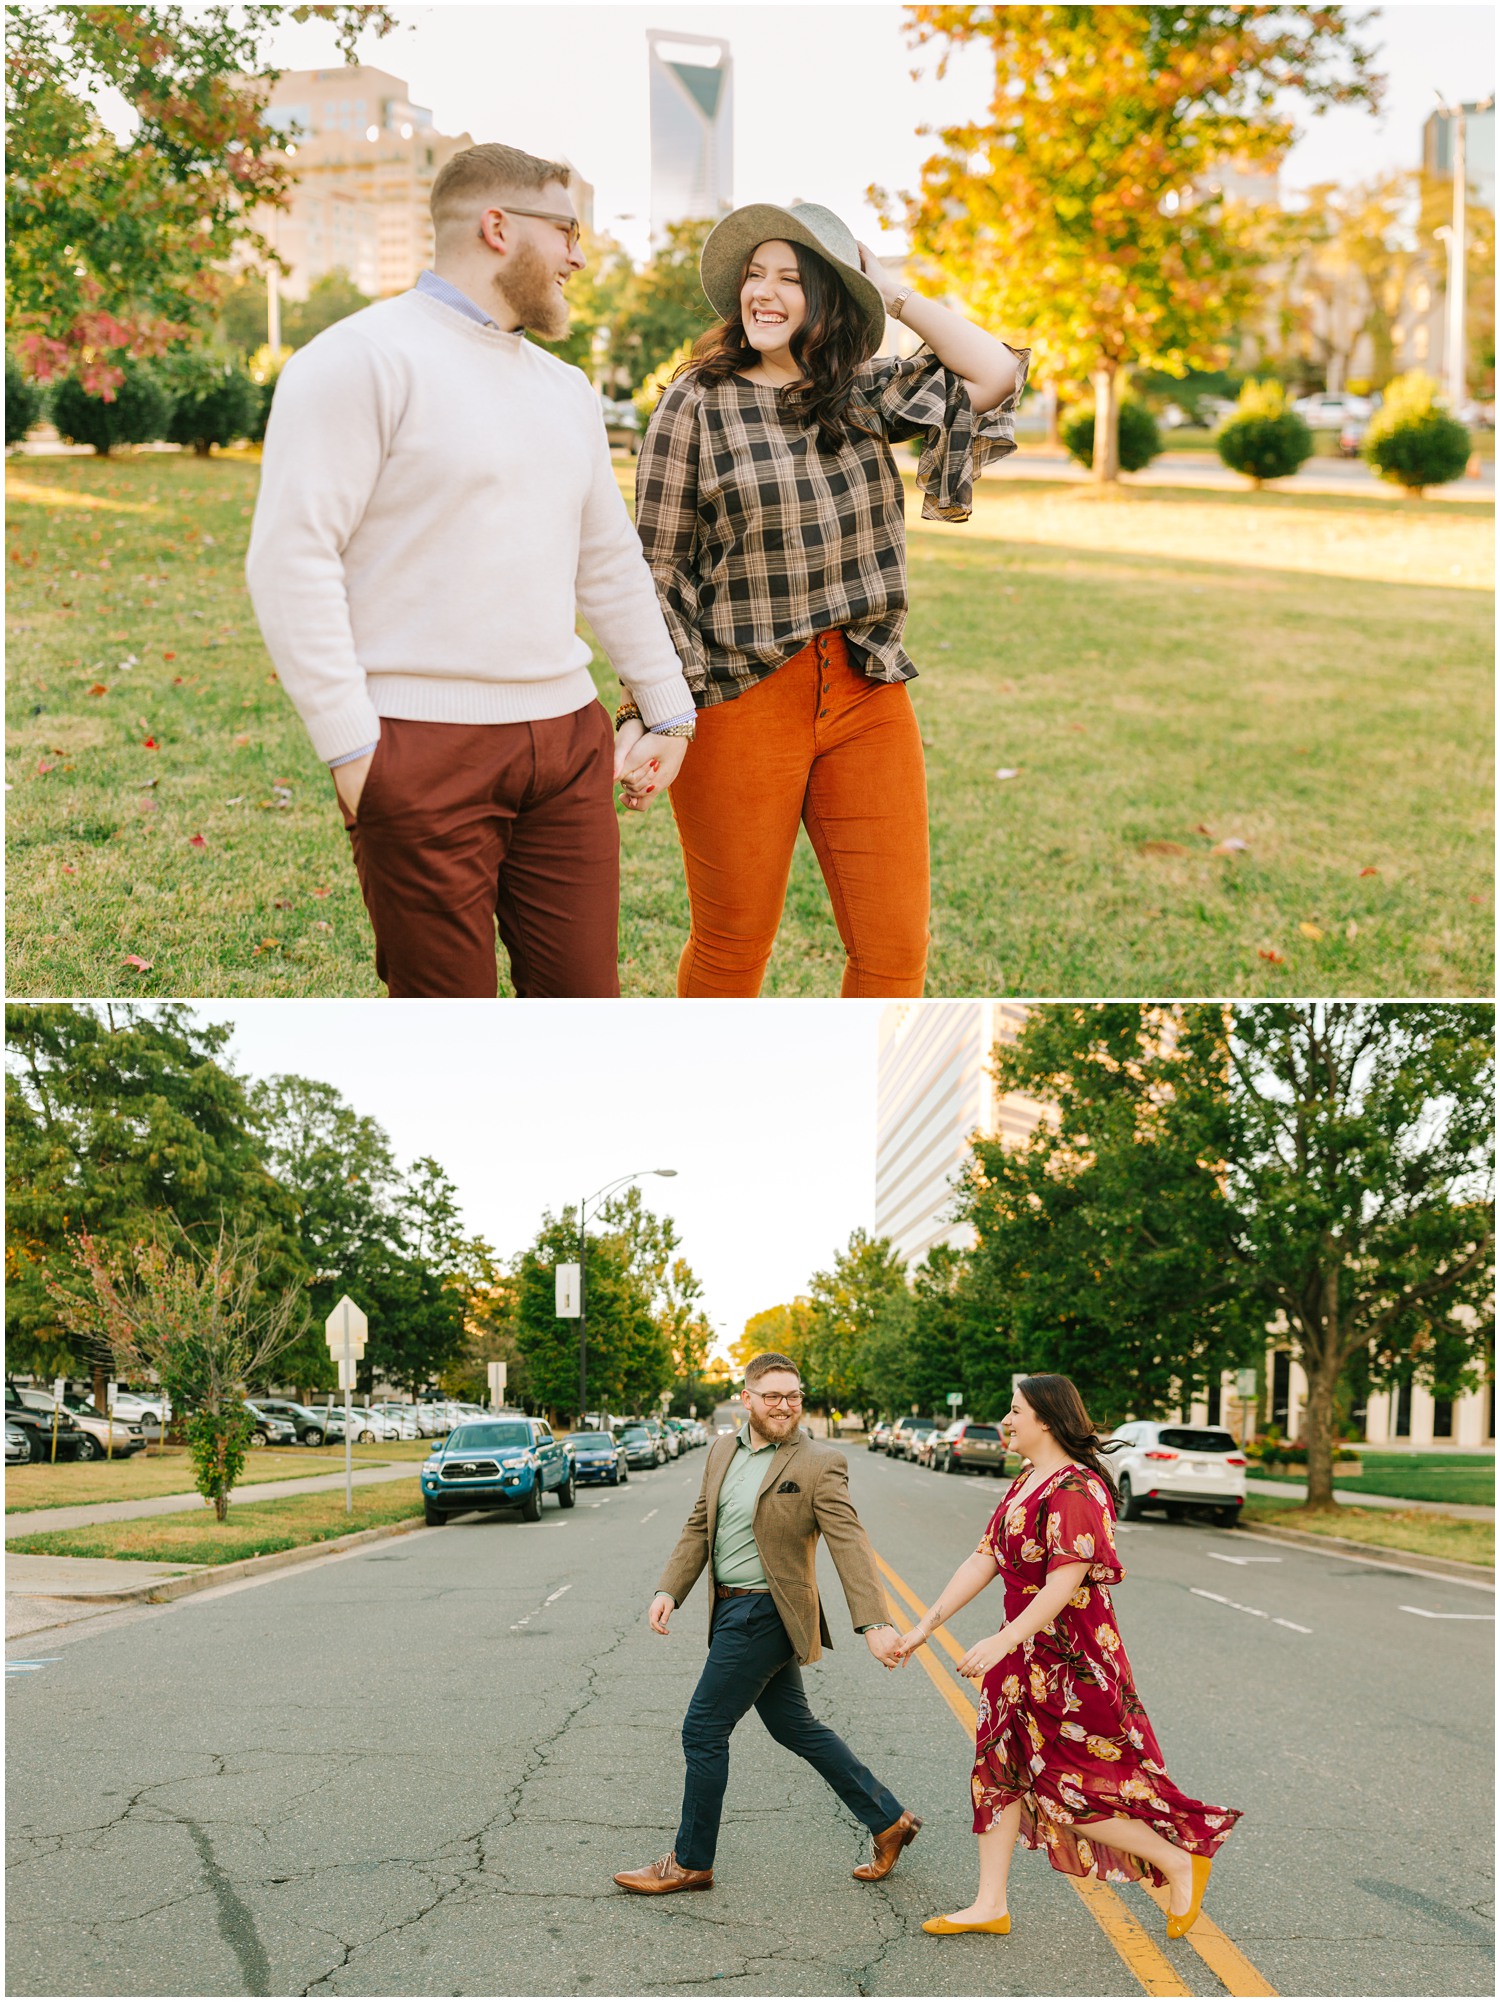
1254 1611
647 1517
30 1667
1423 1614
1223 1557
596 1504
557 1594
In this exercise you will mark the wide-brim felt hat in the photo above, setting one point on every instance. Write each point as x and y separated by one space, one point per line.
730 243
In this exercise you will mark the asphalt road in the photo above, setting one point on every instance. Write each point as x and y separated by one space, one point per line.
413 1769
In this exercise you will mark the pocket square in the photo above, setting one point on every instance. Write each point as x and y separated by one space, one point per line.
789 1488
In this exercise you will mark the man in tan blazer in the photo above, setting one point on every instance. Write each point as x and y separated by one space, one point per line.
769 1492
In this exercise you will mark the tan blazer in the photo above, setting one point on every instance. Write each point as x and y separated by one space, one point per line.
804 1495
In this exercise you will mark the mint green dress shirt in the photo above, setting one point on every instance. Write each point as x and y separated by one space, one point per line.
736 1558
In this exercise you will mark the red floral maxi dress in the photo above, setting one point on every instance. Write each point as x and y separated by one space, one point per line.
1061 1728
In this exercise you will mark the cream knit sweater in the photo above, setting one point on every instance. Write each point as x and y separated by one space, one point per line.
436 506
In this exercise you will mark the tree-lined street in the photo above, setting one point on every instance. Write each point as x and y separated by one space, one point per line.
414 1769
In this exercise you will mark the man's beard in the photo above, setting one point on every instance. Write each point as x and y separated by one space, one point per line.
528 285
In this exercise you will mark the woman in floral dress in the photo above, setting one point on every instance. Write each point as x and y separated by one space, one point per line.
1065 1754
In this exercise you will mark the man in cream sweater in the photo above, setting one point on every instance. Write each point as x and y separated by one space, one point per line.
436 505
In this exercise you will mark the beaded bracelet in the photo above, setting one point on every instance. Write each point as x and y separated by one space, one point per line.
627 713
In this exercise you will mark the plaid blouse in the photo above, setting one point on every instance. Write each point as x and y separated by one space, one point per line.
758 540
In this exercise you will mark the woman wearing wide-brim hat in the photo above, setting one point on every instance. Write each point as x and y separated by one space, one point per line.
773 517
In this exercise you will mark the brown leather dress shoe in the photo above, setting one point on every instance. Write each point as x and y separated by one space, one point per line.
888 1846
666 1874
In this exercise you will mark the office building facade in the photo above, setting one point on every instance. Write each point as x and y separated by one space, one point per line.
692 128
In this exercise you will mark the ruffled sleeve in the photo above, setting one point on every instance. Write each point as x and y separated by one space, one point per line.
1078 1528
920 398
990 1544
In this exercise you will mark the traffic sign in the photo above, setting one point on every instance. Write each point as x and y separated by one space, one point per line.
348 1371
497 1373
1245 1383
955 1398
567 1292
346 1327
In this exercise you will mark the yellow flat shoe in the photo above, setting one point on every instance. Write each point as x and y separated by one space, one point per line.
946 1925
1180 1922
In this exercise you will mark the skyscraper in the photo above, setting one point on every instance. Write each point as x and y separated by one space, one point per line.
692 128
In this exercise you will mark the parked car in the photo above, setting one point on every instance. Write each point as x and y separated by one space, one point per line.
270 1428
1185 1469
142 1409
1327 409
402 1416
880 1436
108 1435
310 1425
367 1428
642 1448
622 423
922 1450
967 1448
73 1443
435 1418
495 1463
596 1457
17 1445
906 1434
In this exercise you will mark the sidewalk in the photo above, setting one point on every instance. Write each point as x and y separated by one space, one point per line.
36 1519
1297 1491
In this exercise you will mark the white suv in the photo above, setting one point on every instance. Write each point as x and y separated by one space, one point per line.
1181 1468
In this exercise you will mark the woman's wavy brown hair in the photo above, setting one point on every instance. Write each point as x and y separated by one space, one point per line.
1056 1402
828 347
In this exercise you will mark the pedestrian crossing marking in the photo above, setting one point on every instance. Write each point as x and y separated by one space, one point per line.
1254 1611
1423 1614
1130 1940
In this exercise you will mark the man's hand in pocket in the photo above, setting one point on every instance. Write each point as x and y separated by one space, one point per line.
349 782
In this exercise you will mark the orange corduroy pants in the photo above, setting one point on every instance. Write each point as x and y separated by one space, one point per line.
819 744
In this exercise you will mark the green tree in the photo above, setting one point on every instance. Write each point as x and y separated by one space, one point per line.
1087 205
629 1357
331 298
1361 1183
1412 441
596 301
1265 439
196 1311
122 1120
117 248
23 401
843 1306
1104 1244
663 305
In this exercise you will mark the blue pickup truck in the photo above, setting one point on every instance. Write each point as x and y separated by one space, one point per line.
510 1462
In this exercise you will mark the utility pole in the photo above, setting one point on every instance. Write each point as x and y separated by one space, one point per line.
1458 262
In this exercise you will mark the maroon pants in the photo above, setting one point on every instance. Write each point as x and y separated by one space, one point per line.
465 826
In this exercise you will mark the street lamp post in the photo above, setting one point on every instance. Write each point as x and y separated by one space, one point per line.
1455 234
609 1189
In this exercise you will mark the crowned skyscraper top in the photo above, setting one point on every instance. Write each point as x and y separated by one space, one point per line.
692 128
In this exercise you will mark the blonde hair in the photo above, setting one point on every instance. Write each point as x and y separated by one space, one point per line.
487 173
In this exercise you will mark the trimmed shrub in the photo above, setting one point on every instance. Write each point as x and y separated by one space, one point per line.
1265 439
1411 441
139 412
1140 441
23 402
213 399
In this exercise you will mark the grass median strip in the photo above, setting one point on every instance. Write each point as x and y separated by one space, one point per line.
70 1484
1432 1477
1232 755
253 1530
1409 1530
1135 1946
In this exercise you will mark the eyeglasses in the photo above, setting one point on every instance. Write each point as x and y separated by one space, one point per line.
792 1399
567 222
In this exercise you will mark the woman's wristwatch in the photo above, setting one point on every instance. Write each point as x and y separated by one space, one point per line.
628 712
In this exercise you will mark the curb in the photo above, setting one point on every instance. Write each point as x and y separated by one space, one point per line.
1377 1553
167 1589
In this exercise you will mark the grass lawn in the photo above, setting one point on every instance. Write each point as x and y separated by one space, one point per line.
1305 676
253 1528
1430 1477
1397 1529
67 1485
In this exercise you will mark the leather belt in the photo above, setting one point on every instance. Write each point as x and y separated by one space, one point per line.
739 1591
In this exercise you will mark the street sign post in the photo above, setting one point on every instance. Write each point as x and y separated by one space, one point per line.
109 1413
59 1386
955 1399
497 1375
1246 1385
346 1329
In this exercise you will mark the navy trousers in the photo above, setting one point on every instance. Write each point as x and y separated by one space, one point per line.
751 1662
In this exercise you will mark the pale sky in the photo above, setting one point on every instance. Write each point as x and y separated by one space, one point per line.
765 1108
824 100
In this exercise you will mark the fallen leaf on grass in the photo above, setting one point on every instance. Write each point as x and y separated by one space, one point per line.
1309 930
323 891
43 767
1230 848
196 841
98 689
68 869
140 965
1008 772
1369 872
1162 848
1351 931
282 904
169 656
321 924
1201 829
238 800
150 744
1269 952
266 945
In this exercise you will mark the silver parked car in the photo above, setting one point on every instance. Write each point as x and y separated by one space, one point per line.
113 1436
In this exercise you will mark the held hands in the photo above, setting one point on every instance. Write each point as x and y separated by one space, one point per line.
910 1641
984 1655
662 1608
349 782
645 765
885 1645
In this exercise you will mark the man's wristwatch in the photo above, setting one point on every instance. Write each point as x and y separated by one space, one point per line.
875 1625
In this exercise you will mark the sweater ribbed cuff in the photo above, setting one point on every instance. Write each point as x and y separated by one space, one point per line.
346 730
660 701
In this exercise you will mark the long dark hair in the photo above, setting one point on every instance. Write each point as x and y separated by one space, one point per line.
828 347
1056 1402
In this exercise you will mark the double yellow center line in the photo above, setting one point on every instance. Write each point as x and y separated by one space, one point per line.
1126 1935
